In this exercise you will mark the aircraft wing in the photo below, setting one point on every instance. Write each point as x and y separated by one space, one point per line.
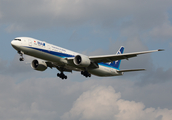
114 57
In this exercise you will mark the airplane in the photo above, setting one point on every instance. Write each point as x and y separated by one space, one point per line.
65 60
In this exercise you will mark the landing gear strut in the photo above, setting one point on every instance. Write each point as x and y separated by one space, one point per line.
86 73
21 54
62 75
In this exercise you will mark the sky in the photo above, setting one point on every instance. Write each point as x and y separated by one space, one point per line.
91 27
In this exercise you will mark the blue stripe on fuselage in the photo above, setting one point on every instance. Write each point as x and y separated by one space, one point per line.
62 55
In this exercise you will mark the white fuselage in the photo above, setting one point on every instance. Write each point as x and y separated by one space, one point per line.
57 55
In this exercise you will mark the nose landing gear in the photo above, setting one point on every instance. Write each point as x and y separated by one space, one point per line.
21 54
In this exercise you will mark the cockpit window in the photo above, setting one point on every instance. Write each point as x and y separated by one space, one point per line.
18 39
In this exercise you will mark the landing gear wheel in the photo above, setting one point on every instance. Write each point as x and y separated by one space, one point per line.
89 75
58 75
86 73
21 59
61 75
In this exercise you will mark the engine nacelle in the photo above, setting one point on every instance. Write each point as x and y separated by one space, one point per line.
39 65
82 61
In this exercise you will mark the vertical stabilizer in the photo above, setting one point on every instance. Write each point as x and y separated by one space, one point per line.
117 63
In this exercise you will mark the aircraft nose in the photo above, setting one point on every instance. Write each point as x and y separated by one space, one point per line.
12 42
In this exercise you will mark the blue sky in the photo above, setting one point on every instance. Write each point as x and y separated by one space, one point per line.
94 28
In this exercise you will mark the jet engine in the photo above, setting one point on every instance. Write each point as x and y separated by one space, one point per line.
82 61
39 65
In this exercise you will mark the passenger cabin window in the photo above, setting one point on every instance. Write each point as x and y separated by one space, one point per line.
18 39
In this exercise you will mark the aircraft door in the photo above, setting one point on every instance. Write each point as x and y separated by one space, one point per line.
49 48
30 42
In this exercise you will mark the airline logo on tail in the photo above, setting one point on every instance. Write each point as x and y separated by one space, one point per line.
116 64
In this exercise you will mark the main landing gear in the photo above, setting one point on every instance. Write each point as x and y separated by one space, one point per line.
86 73
21 54
62 75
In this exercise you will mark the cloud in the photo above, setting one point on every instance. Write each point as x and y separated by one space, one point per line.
3 65
51 98
162 32
19 70
22 101
15 66
156 76
101 103
31 15
94 103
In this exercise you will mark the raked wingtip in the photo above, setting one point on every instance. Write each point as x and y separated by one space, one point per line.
161 50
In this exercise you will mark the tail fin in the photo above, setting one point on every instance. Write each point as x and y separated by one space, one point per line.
116 63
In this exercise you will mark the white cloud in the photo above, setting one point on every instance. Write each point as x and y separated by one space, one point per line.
22 67
102 103
94 104
30 14
3 65
163 31
26 100
49 98
156 76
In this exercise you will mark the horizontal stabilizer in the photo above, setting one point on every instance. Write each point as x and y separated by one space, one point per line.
131 70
